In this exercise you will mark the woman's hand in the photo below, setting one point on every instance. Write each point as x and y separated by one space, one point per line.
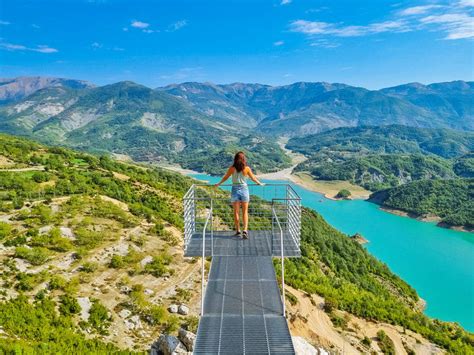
261 183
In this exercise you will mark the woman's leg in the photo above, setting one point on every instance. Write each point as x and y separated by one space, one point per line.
236 206
245 214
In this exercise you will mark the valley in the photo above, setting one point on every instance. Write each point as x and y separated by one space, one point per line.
114 226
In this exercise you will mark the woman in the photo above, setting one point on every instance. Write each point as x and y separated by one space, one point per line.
240 191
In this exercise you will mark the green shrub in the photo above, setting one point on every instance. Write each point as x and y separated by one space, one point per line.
99 318
57 283
386 344
68 305
366 341
117 262
343 194
5 230
35 256
89 267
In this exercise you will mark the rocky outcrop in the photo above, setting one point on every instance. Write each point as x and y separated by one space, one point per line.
168 345
187 338
302 347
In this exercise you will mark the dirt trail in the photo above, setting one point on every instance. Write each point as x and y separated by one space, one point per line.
31 168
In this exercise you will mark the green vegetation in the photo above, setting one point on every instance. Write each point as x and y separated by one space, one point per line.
262 155
99 318
332 265
350 279
452 200
385 343
343 194
139 122
418 170
36 327
374 171
387 140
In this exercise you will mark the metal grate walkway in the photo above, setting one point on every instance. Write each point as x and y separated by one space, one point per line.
260 243
243 311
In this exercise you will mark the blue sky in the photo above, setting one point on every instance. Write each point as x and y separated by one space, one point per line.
374 44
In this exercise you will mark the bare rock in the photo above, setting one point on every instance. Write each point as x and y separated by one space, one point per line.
302 347
86 305
133 322
146 260
184 310
173 308
148 291
124 313
167 345
187 338
125 289
67 232
44 229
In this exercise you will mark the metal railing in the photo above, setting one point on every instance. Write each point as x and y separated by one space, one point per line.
282 263
266 202
274 210
203 260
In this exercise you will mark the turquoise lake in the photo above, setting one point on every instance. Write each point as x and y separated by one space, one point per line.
437 262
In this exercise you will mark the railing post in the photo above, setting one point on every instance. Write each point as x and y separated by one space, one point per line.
283 297
204 259
212 228
282 274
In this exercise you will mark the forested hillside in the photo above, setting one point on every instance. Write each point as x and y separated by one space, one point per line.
387 140
451 200
91 258
133 120
377 171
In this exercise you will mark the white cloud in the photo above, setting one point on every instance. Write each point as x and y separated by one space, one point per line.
4 23
455 20
96 45
278 43
456 25
417 10
35 26
177 25
146 30
139 24
325 28
324 43
44 49
466 3
285 2
13 47
19 47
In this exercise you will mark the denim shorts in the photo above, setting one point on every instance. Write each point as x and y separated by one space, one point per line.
240 193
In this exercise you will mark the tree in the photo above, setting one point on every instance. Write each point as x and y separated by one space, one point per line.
344 193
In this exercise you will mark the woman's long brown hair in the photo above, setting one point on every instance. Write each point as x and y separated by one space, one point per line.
239 161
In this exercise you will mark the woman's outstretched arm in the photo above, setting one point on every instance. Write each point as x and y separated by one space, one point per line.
226 176
253 177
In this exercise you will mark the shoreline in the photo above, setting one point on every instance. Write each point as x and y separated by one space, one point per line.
305 180
427 219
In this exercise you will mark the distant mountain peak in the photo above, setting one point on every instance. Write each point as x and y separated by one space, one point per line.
12 89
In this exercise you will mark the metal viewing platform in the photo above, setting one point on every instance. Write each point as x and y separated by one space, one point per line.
243 311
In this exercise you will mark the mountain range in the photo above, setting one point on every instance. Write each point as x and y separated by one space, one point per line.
184 122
